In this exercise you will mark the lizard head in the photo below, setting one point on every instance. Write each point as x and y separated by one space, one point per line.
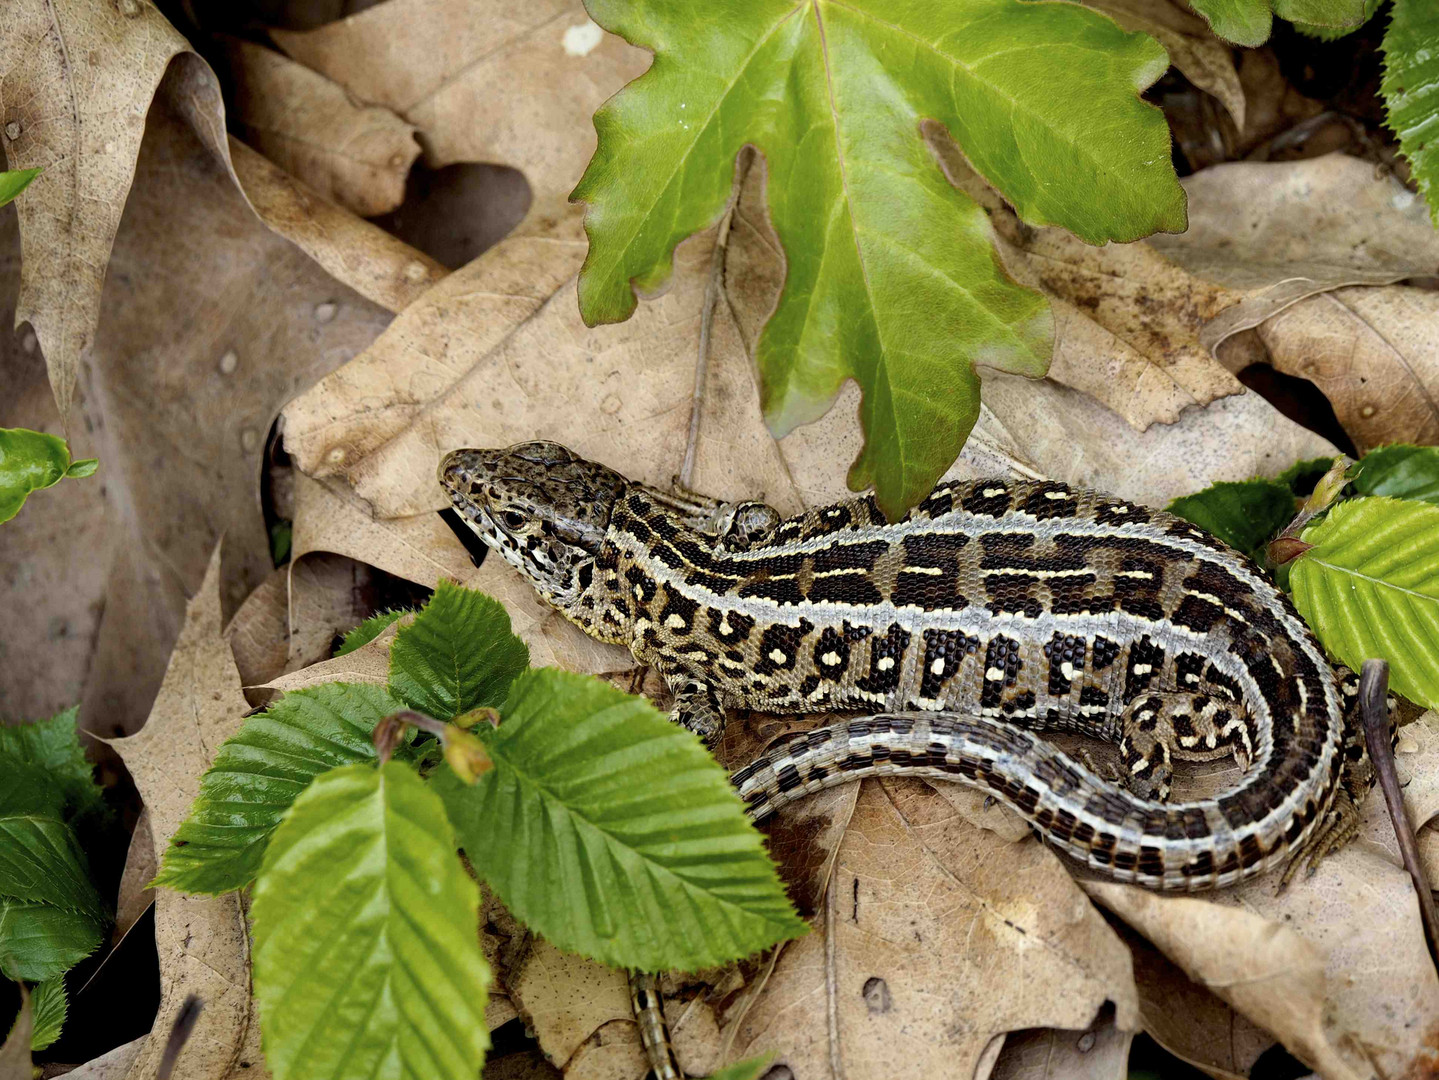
544 508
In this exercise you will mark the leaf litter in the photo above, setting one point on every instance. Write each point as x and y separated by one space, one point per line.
498 353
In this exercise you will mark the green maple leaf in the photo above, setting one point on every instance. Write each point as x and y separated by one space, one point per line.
1248 22
892 278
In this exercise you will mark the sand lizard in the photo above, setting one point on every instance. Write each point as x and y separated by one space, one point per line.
993 610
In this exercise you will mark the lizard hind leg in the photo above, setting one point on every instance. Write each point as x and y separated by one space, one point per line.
1340 823
697 708
1159 728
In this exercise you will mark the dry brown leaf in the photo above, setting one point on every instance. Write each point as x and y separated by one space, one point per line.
355 155
1188 1020
202 941
1101 1052
112 1065
1266 971
382 269
462 72
44 646
209 323
564 998
1204 60
936 936
79 77
1335 967
141 864
259 633
1284 231
1375 355
370 663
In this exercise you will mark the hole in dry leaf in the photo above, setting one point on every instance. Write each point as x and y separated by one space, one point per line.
1300 400
1277 1063
456 213
778 1072
876 995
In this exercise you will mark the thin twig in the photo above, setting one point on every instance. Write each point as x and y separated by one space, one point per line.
1374 707
707 315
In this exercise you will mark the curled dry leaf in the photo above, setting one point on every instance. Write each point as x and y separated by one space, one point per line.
1100 1052
209 323
359 255
1284 231
370 663
355 155
460 71
1127 320
936 936
1187 1019
1374 354
79 78
202 941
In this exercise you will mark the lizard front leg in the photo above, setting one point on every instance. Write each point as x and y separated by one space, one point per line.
696 707
736 525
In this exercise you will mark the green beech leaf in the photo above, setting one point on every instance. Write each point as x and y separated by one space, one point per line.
50 915
29 461
1244 514
50 751
1369 588
367 958
891 277
613 833
1247 22
14 182
1399 471
458 654
49 1005
260 771
368 630
1411 91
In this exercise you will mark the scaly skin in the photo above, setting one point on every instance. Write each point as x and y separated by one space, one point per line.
994 610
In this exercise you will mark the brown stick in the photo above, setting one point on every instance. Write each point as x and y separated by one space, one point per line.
1374 707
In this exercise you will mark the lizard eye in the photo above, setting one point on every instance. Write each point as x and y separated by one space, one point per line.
514 520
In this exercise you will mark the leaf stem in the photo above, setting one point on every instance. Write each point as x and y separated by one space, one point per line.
1373 706
711 300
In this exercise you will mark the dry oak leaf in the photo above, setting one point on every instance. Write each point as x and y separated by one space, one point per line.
209 322
483 80
936 936
1373 352
1126 319
1100 1052
1335 967
77 81
355 155
202 941
1187 1019
1284 231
